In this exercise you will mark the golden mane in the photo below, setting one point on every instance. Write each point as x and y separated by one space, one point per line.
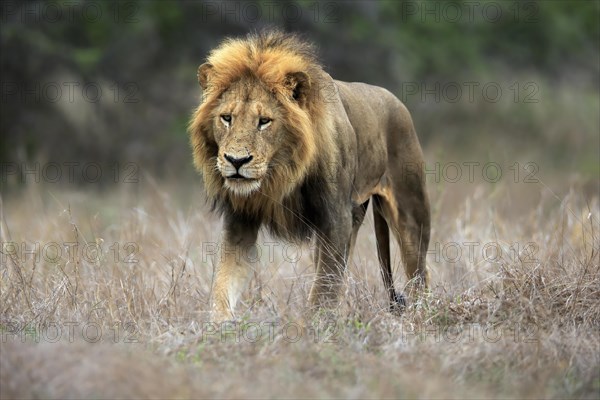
269 57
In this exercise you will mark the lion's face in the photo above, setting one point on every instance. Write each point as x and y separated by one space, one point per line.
253 137
248 128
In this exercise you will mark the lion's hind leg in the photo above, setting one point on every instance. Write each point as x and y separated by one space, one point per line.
412 226
382 235
404 208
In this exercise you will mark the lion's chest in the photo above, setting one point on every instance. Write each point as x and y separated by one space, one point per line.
298 216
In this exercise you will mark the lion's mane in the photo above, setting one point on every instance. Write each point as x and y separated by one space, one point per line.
267 58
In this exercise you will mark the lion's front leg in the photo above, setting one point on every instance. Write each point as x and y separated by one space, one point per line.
237 259
329 277
331 258
230 281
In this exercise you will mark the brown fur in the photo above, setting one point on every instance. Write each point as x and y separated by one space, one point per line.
329 147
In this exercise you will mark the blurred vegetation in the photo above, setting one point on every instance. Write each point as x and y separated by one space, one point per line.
138 59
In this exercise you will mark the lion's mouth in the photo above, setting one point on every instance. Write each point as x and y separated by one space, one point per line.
238 176
242 185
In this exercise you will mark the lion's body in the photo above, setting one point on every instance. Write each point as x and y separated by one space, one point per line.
321 149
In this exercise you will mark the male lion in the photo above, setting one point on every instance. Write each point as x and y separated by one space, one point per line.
280 143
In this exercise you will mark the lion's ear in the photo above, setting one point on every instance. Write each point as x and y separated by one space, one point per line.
299 85
203 74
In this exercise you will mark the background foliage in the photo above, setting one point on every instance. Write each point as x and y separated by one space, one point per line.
143 55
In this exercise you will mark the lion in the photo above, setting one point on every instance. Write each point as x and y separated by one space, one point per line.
280 144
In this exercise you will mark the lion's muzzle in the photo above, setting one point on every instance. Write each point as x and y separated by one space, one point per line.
241 175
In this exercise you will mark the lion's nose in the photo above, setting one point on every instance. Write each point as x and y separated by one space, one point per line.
238 162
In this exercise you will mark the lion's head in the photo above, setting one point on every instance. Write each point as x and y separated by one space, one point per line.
254 135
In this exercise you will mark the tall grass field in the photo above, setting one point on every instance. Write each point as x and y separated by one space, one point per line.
106 293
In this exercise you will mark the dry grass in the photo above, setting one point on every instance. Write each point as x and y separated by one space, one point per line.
523 323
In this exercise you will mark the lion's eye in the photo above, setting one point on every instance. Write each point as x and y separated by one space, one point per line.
226 118
263 122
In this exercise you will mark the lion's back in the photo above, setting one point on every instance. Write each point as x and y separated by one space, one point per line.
381 125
